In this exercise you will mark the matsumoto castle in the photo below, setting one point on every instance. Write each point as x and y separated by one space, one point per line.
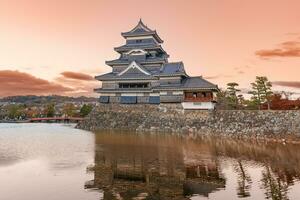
143 75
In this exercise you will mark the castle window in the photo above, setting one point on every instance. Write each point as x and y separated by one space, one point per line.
133 85
138 41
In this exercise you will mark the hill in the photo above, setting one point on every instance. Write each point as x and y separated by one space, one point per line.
32 99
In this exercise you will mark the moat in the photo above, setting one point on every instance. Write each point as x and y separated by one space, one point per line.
57 161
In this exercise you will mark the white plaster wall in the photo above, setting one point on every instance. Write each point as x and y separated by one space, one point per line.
154 94
198 105
178 93
107 94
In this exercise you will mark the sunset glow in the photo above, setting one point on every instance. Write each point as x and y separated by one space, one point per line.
58 46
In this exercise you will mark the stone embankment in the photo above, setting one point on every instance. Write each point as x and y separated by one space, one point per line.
172 118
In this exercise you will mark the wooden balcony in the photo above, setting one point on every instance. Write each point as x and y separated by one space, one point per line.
198 99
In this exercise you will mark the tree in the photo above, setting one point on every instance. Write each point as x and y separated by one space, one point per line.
69 110
31 112
275 187
232 95
221 100
15 111
261 91
85 110
49 110
250 104
244 180
241 100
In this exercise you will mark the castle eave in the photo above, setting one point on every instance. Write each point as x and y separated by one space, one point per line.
126 62
144 46
123 90
152 33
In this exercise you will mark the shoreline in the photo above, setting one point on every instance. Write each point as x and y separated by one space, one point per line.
287 139
29 122
171 118
280 139
14 122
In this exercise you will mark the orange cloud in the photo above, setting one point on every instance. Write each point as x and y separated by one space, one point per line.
294 84
77 76
19 83
83 83
218 76
286 49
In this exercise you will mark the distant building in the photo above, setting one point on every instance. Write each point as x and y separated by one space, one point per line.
142 74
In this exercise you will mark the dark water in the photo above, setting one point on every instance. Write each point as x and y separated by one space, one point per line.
54 161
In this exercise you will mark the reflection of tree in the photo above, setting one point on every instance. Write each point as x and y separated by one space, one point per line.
244 180
275 187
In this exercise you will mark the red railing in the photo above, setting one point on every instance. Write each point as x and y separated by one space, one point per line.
55 119
198 99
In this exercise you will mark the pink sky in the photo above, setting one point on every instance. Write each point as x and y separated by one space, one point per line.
225 41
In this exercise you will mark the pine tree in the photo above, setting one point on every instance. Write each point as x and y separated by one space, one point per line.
232 97
261 91
241 101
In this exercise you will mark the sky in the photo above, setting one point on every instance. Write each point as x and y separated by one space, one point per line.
58 46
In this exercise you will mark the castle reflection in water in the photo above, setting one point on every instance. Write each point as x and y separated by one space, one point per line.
145 166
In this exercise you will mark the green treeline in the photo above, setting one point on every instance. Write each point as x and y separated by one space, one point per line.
24 111
262 97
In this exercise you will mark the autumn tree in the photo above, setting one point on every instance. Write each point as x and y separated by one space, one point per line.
69 110
31 113
261 91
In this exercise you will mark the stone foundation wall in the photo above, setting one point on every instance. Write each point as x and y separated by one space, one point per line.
172 118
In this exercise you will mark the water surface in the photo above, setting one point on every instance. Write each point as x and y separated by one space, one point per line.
45 161
56 161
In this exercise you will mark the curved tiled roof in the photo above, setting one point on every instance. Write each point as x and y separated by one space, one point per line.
197 82
138 46
140 30
190 83
138 72
171 69
128 76
127 61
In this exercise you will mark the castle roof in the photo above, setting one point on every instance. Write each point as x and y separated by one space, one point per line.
127 47
172 69
142 30
127 76
126 61
143 58
198 82
134 71
190 83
